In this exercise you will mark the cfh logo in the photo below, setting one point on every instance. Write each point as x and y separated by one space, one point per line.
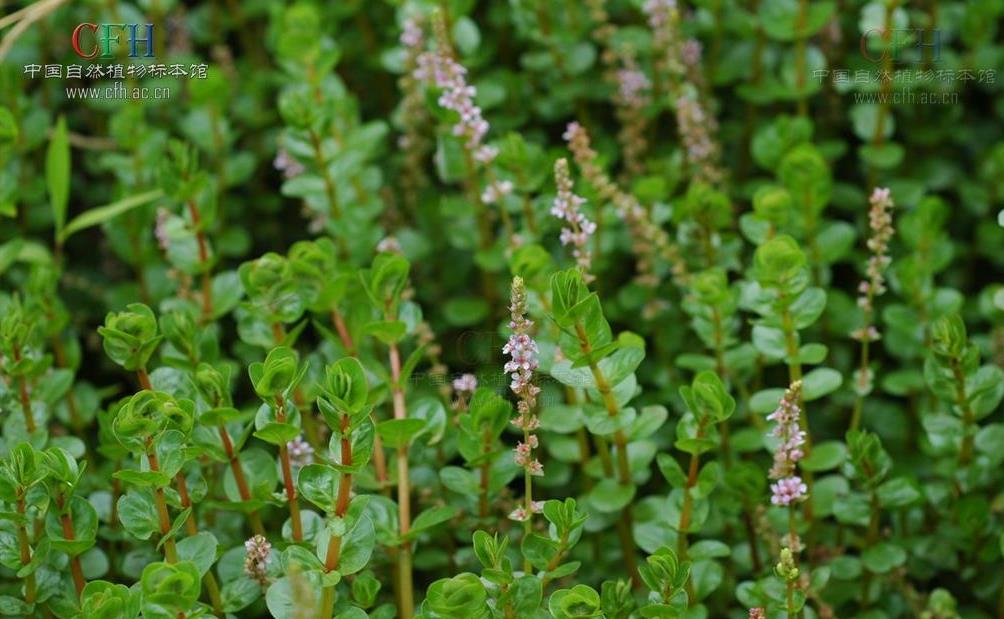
899 39
91 39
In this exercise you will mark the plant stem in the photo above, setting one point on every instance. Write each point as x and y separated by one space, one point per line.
620 441
800 58
144 379
329 184
688 504
22 386
343 332
30 589
486 448
170 551
407 601
863 367
333 553
200 238
287 475
240 480
66 519
527 504
968 417
212 587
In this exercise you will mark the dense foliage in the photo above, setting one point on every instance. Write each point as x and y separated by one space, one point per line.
513 309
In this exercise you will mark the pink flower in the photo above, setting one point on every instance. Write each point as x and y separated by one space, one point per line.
256 561
411 34
290 167
519 514
466 383
388 245
445 73
160 229
788 430
300 452
757 613
496 191
880 223
566 206
788 490
658 11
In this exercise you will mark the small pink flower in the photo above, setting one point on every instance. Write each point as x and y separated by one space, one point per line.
256 561
788 490
496 191
160 229
300 452
466 383
792 437
519 514
389 245
290 167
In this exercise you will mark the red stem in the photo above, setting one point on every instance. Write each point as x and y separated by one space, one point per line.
287 476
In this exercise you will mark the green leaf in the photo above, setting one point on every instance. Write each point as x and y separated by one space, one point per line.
883 557
820 382
138 515
57 174
387 331
430 518
825 456
318 483
101 214
610 496
200 549
898 492
399 432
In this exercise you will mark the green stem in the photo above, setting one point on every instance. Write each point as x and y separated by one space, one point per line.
30 587
406 603
620 442
333 554
22 386
968 417
170 551
287 475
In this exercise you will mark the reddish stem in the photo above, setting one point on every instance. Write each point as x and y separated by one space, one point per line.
200 238
240 480
30 588
29 419
343 332
170 551
67 521
287 476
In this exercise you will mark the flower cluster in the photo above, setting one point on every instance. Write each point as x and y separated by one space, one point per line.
650 242
659 12
757 613
256 561
495 191
630 100
522 351
388 245
880 223
789 488
440 69
566 207
288 165
412 142
695 128
160 229
663 19
465 383
300 452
